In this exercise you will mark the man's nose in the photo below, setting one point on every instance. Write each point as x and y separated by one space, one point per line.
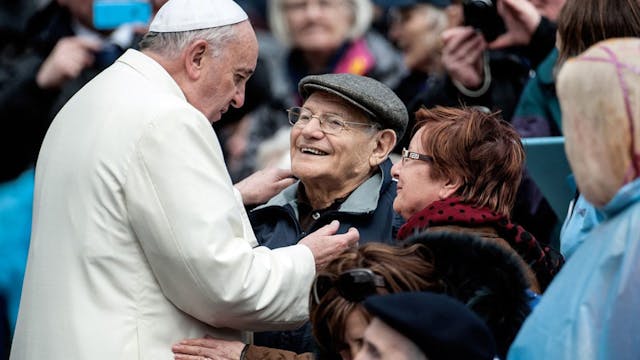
238 99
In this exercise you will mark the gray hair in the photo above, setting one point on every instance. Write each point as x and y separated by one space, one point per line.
171 44
362 14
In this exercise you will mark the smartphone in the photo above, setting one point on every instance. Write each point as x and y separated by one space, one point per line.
110 14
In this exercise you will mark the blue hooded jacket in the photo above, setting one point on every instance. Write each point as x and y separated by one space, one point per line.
592 307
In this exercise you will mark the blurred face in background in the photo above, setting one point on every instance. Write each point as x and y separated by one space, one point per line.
416 32
318 25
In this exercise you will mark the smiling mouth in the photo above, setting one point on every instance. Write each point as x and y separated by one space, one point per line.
312 151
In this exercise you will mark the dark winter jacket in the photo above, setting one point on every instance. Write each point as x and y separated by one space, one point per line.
369 209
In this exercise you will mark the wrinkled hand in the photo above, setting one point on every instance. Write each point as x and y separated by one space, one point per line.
66 61
325 246
262 185
521 19
214 349
462 55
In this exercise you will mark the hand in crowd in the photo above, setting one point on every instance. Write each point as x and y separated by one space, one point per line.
66 61
325 245
521 19
262 185
214 349
462 55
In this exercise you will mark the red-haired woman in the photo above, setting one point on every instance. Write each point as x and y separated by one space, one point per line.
461 174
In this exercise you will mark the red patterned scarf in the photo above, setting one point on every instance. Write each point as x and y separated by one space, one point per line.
452 211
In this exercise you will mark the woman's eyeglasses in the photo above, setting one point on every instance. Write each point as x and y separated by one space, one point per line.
329 123
354 285
406 154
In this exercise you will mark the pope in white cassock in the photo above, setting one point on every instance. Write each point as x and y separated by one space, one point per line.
139 238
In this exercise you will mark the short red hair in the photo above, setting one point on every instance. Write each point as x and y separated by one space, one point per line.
480 149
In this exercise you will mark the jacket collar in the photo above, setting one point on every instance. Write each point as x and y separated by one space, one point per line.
624 198
363 199
152 71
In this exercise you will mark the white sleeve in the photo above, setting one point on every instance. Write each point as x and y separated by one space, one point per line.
197 238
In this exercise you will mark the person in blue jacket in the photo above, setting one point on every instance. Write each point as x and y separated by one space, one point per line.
589 310
340 142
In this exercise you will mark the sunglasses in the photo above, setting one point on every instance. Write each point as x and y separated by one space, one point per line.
354 285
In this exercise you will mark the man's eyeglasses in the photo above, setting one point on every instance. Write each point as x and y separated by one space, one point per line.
406 154
329 123
354 285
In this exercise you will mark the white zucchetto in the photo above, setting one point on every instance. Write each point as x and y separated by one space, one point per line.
187 15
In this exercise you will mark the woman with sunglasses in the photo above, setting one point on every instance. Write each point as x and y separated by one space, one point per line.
461 174
337 317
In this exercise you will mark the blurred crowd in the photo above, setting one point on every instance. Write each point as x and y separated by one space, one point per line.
457 85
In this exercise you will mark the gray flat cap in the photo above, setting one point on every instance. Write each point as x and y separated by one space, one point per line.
373 97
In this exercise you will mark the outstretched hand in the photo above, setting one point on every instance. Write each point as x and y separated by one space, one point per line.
262 185
207 348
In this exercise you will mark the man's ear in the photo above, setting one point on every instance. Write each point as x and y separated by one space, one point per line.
195 58
449 188
384 142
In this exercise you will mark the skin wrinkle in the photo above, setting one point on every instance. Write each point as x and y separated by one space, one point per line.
347 163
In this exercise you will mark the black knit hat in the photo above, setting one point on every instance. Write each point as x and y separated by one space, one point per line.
441 326
371 96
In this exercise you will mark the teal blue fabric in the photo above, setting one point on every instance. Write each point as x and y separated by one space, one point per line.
578 224
592 307
16 198
538 111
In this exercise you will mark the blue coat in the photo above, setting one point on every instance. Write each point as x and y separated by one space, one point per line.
592 307
369 208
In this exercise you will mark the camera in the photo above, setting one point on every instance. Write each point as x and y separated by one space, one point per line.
483 16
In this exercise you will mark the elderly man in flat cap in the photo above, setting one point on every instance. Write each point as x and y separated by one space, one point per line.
340 142
139 237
